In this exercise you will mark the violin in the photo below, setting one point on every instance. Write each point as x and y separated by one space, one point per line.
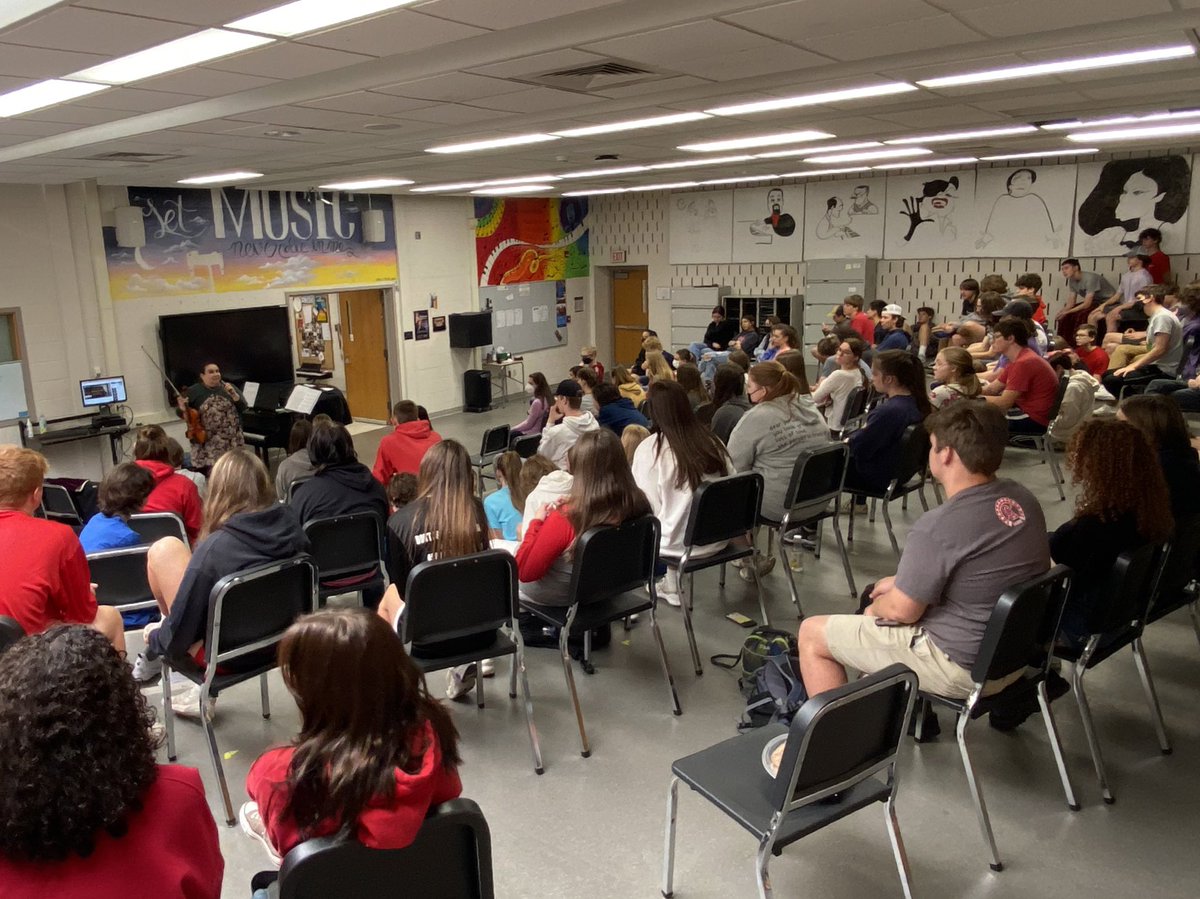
195 428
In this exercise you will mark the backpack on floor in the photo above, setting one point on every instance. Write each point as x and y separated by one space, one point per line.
759 645
768 669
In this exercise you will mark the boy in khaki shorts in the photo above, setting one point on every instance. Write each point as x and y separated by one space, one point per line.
958 559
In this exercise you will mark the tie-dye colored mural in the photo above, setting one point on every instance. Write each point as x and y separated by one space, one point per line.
531 239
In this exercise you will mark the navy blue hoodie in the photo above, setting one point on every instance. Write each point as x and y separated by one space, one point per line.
615 416
340 490
247 539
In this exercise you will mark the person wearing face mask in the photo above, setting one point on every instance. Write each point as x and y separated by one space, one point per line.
541 399
588 356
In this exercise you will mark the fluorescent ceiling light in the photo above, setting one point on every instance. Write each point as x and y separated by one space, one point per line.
739 179
812 173
761 140
1088 137
492 144
592 193
194 49
217 179
961 160
13 11
867 155
1063 66
1040 153
42 94
853 93
434 188
511 189
523 179
1123 120
1004 131
700 163
677 184
634 124
309 15
837 148
600 173
367 184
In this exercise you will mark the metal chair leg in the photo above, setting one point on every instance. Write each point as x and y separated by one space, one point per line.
211 735
762 602
874 506
676 708
761 864
668 874
850 527
566 663
1194 611
512 676
937 492
478 683
1156 715
168 711
266 695
791 577
519 662
898 851
887 520
1056 747
837 532
921 496
904 503
1052 461
722 582
1089 728
985 823
685 603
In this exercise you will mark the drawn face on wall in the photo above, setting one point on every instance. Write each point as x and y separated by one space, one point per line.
775 200
1020 183
1138 198
941 204
859 194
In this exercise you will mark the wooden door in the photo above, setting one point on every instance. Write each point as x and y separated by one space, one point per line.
364 353
631 313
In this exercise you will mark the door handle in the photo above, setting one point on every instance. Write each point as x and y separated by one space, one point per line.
645 297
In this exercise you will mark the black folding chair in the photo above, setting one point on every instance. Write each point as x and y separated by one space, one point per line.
464 597
349 553
121 579
1179 571
1114 622
817 481
838 743
856 408
10 632
526 445
248 613
451 858
723 511
495 442
612 567
911 464
1044 443
151 526
1019 637
58 505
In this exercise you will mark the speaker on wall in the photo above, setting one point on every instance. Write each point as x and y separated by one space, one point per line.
131 227
470 329
373 226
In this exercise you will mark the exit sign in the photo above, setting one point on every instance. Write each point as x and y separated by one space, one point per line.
619 256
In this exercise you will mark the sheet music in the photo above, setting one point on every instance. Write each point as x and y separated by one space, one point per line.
303 399
250 392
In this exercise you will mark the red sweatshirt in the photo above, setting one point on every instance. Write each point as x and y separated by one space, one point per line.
46 578
864 326
174 493
543 544
389 822
402 450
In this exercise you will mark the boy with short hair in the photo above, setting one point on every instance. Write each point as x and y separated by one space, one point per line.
1088 353
1029 288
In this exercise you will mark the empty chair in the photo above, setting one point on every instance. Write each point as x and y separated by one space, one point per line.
451 858
58 505
247 615
612 565
725 510
908 476
463 598
120 577
495 441
349 553
1019 637
839 742
10 632
151 526
1117 621
526 445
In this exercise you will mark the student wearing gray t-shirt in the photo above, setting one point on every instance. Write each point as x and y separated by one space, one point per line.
988 536
1086 291
1132 367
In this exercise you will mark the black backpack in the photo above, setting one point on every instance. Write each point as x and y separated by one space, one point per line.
768 669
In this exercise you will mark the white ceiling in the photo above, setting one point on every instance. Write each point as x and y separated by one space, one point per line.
368 98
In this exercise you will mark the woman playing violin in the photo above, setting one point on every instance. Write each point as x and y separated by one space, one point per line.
216 425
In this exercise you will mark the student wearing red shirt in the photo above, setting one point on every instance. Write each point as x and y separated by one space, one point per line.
85 810
46 572
1088 353
862 323
1027 386
1160 263
1029 288
373 760
401 451
172 491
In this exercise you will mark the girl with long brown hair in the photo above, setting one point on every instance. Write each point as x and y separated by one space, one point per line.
602 492
500 506
954 376
688 376
370 761
900 377
628 385
541 399
657 368
671 465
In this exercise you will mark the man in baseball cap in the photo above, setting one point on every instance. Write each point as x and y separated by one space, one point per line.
895 337
566 422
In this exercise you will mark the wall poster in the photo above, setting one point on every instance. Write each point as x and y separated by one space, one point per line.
930 215
1116 200
844 218
1024 211
768 224
525 239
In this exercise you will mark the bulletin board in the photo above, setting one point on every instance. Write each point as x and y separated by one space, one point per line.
314 330
529 316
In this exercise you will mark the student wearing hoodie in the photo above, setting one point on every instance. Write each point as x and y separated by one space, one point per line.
297 465
541 484
340 485
566 424
402 450
729 400
615 411
628 386
244 526
539 406
172 491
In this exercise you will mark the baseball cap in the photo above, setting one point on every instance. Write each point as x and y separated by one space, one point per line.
568 387
893 309
1019 308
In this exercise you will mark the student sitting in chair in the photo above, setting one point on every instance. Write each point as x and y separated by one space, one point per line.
172 491
403 449
122 493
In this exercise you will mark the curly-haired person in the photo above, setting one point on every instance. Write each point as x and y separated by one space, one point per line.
1122 504
84 809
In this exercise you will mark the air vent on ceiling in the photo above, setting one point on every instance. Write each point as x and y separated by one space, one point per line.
597 76
128 156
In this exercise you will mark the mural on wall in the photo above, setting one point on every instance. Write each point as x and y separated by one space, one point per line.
1024 211
1119 198
768 224
229 239
842 218
701 227
929 215
531 239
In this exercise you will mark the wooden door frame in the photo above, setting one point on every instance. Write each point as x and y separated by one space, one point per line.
610 272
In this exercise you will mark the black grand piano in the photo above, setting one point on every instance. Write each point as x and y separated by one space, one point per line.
267 424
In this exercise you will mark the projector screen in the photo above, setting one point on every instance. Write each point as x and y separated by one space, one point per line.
248 344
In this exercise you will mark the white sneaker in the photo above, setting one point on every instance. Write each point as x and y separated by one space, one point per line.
145 670
667 589
186 704
253 825
460 681
488 667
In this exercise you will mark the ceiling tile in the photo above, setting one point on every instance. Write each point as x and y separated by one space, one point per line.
453 86
135 99
288 61
1013 18
76 115
38 62
941 117
538 99
306 117
514 14
90 31
667 47
399 32
801 20
894 37
452 114
368 103
208 12
752 63
652 87
206 82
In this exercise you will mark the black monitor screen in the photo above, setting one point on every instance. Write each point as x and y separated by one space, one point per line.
248 344
102 391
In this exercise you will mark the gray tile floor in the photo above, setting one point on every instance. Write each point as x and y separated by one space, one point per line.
594 827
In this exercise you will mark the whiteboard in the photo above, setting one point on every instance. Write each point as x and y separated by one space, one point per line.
12 391
526 317
701 227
